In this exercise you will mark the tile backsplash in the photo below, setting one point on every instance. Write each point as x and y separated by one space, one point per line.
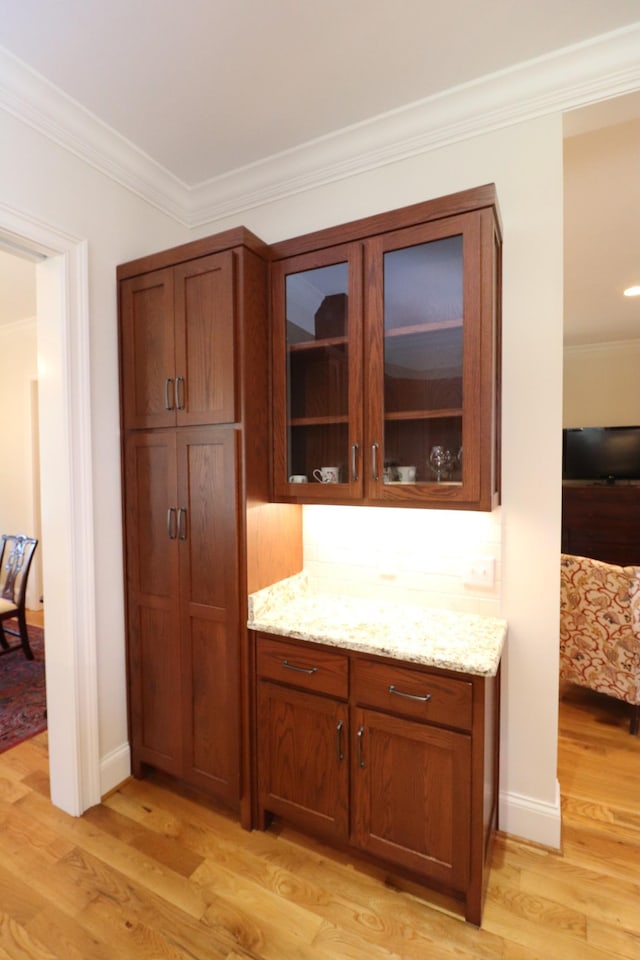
414 556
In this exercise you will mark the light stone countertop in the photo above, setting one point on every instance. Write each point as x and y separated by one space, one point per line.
469 643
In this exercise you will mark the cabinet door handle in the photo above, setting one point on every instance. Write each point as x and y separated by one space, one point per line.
374 460
409 696
354 461
339 750
182 526
292 666
171 523
360 754
179 393
169 394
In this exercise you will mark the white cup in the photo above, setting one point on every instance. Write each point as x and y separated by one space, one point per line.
298 478
326 474
406 474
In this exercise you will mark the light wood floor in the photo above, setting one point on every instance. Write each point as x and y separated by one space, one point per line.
152 874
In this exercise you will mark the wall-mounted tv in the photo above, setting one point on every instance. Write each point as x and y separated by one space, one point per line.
601 453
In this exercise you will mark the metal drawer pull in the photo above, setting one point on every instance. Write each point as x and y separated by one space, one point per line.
291 666
339 739
360 756
171 523
354 461
409 696
179 393
169 394
374 461
182 526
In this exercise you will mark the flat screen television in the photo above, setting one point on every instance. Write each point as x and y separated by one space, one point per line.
604 454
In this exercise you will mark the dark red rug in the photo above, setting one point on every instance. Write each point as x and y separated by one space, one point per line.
22 692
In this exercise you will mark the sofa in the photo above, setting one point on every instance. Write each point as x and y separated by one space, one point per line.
600 629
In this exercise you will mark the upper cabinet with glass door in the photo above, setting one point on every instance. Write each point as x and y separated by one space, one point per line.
317 374
386 358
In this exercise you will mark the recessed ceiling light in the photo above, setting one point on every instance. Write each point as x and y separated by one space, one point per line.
632 291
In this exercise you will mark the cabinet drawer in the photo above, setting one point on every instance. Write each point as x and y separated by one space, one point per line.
412 693
305 666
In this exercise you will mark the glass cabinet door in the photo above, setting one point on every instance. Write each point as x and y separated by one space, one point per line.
317 302
424 312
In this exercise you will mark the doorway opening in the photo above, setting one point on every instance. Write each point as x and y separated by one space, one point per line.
66 504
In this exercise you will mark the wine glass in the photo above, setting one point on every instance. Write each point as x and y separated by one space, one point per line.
439 462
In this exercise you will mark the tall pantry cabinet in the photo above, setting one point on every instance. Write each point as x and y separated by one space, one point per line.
199 531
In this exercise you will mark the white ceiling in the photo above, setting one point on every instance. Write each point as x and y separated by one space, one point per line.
206 87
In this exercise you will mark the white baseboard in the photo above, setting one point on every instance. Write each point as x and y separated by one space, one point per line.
532 819
115 767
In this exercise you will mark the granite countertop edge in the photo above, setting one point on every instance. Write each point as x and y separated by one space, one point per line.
461 642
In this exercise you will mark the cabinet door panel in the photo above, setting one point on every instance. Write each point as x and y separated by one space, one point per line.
148 350
212 729
153 595
209 624
412 795
425 304
303 759
204 316
317 373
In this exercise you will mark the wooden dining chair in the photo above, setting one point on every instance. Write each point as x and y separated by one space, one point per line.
15 563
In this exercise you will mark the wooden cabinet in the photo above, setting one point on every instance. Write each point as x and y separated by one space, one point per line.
412 788
181 501
602 521
304 768
178 344
199 530
386 358
398 761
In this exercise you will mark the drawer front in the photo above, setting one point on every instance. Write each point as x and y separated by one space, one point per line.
305 666
412 693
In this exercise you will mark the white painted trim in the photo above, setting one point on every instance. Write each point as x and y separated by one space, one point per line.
532 819
66 466
115 768
604 67
30 97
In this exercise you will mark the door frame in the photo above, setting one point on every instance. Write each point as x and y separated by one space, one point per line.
66 504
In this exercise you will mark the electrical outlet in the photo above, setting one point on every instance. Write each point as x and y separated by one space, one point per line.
480 572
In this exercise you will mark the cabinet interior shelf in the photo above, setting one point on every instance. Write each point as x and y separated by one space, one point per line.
397 416
412 329
306 345
424 414
317 421
406 331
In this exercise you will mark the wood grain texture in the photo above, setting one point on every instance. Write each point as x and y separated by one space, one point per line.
153 873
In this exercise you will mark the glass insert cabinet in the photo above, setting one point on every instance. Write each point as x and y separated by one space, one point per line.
386 343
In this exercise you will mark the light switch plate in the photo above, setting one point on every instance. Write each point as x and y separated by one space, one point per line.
480 572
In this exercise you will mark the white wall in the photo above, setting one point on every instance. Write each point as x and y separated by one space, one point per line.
49 185
18 491
525 162
602 385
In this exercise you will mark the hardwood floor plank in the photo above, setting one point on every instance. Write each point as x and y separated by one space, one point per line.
117 855
16 941
66 937
621 943
176 856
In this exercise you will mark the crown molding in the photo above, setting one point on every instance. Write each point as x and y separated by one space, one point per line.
31 98
599 69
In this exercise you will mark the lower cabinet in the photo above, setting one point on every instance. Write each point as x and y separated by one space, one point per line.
397 761
180 498
411 795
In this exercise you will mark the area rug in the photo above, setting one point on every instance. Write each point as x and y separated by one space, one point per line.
22 692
